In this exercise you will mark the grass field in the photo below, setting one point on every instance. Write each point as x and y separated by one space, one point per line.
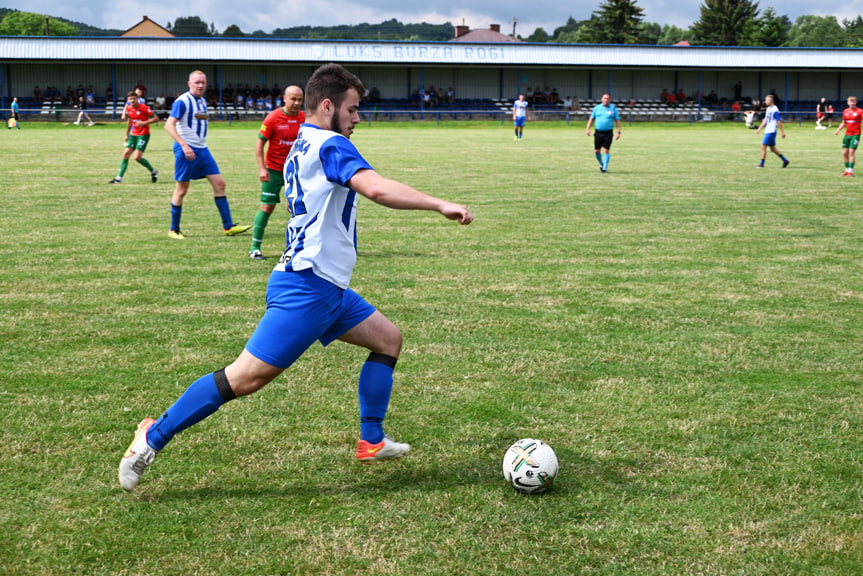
685 331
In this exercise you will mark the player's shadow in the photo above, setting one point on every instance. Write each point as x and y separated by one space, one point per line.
578 473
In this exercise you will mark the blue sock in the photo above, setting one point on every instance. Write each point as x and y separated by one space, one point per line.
784 159
200 400
176 213
605 159
376 384
599 158
224 212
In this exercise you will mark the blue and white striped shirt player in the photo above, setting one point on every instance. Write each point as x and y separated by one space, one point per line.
191 113
322 233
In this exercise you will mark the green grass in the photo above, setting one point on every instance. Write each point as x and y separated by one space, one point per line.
684 331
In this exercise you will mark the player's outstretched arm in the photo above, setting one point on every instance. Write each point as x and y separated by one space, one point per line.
394 194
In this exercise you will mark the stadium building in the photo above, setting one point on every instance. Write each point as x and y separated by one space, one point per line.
485 75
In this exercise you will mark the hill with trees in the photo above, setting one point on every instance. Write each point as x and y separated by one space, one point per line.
721 23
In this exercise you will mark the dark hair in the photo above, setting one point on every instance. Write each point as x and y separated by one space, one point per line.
330 81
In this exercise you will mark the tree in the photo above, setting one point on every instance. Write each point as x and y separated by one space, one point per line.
568 33
539 35
649 33
816 31
723 22
30 24
672 35
769 30
853 32
190 26
616 22
233 31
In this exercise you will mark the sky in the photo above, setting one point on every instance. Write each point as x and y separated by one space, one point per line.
267 15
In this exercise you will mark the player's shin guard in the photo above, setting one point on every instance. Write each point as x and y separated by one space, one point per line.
201 399
375 387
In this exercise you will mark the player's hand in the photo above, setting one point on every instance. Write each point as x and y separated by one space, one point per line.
264 176
588 132
457 212
783 135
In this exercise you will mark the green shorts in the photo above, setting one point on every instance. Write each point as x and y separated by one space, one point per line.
851 141
271 191
138 142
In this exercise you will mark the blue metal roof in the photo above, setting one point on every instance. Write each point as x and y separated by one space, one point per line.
426 53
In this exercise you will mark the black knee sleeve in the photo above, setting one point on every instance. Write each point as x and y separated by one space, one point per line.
223 385
382 359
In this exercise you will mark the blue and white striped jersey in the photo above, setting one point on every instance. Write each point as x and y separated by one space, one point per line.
191 115
520 107
321 233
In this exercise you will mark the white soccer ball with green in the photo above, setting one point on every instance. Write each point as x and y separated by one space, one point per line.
530 466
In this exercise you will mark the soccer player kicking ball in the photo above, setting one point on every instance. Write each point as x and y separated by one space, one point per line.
852 117
308 297
772 121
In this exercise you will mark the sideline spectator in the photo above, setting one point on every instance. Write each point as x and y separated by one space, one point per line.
820 113
375 96
14 119
82 104
37 94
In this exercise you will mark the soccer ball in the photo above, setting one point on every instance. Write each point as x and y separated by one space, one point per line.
530 466
11 123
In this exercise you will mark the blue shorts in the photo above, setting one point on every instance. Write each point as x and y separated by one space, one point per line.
302 308
519 121
769 139
202 166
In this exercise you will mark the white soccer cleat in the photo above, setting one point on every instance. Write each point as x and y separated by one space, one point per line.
386 449
138 456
